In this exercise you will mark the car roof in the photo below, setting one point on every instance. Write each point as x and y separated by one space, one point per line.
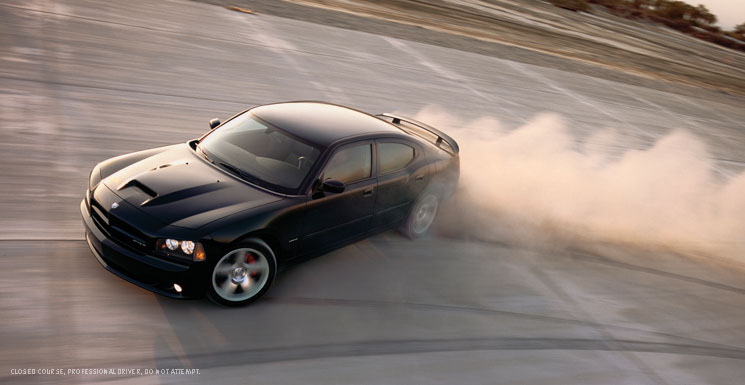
322 123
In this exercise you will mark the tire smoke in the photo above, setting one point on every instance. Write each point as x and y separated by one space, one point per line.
539 185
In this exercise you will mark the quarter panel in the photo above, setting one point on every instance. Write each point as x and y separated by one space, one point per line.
397 190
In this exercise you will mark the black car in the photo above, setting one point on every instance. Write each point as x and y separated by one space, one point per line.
274 184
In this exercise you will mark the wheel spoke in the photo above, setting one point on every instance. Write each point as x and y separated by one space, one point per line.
228 286
239 257
259 266
246 284
223 269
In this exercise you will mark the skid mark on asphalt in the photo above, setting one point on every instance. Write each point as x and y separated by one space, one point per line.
567 292
579 98
578 255
459 80
263 32
308 301
689 102
684 120
248 357
376 348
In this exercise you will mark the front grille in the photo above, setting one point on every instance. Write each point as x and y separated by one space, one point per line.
119 230
129 235
99 214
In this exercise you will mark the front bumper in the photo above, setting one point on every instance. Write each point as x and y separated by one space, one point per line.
149 272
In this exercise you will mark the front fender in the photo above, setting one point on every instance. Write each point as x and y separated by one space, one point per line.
281 221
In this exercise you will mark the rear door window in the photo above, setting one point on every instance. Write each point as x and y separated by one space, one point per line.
394 156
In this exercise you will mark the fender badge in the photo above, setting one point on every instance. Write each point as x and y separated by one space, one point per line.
114 205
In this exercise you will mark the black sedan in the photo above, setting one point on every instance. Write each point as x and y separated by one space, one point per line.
272 185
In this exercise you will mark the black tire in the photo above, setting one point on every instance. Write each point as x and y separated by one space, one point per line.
422 214
243 274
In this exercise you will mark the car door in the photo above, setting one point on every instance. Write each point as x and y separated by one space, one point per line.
333 218
402 175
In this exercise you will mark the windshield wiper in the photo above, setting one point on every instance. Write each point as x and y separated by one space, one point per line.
234 169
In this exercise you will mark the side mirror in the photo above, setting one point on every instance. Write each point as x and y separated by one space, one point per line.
214 123
333 186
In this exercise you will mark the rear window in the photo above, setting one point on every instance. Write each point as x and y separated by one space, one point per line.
394 156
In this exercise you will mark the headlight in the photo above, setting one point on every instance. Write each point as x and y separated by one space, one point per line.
183 249
172 244
187 247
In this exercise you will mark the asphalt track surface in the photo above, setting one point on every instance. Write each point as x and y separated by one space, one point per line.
83 81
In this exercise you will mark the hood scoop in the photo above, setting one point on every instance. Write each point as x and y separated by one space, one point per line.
134 182
170 184
137 184
182 194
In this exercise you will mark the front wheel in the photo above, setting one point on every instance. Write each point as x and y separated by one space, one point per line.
243 274
422 215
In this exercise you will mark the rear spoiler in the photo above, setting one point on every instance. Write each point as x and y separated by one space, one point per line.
441 136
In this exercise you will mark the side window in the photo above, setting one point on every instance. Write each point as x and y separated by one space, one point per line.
350 164
394 156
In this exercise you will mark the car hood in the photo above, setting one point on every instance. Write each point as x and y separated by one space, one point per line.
177 187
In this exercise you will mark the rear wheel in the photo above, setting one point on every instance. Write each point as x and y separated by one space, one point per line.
243 274
422 215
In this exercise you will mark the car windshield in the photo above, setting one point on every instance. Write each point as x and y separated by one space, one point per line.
259 152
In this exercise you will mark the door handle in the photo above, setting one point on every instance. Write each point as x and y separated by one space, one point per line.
368 192
419 177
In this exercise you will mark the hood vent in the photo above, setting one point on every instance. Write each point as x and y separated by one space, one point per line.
139 185
184 194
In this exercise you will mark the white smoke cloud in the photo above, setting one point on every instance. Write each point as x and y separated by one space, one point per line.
538 184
